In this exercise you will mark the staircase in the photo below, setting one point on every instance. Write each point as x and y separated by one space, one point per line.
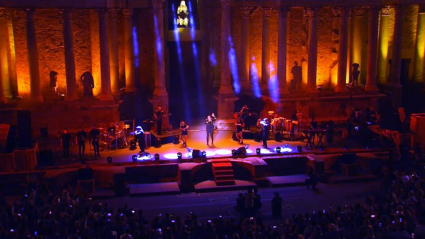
223 172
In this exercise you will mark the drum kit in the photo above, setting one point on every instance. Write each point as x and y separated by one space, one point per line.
114 137
287 127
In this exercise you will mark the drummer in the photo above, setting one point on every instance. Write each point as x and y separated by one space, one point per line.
112 129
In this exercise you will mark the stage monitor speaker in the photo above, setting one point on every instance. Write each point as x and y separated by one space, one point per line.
257 137
196 153
278 137
44 133
158 143
176 139
24 129
241 151
46 158
319 167
234 136
299 149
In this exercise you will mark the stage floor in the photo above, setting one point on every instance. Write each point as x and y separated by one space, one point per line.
223 146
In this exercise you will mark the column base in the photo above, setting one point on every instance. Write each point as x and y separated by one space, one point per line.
71 97
160 91
107 96
372 88
283 91
226 105
341 89
130 89
38 98
161 100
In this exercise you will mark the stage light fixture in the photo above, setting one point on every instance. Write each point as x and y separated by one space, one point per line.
204 154
234 153
133 144
286 146
134 158
278 150
109 159
156 157
258 151
179 155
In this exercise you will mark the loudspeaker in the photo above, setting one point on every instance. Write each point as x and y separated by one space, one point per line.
44 133
176 139
257 137
158 143
319 167
234 136
278 137
299 149
196 153
241 151
46 158
24 129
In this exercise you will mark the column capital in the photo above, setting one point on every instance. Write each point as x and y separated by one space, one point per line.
399 8
158 4
4 13
283 11
358 11
225 3
374 9
113 13
127 13
30 12
267 12
102 12
311 12
385 11
341 11
422 8
248 11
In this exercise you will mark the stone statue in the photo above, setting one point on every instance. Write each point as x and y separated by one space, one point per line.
355 74
88 83
297 72
54 82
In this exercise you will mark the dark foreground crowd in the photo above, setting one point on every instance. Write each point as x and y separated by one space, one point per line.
396 210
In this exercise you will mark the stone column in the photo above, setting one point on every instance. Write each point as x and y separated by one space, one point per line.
33 56
418 70
343 50
312 14
11 54
356 44
226 96
244 73
265 49
105 92
160 95
128 50
113 50
282 49
71 85
372 59
396 56
383 45
5 86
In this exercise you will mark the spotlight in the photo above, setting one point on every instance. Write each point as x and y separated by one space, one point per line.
204 154
133 144
179 155
258 151
278 150
109 159
299 149
134 157
234 153
319 87
156 157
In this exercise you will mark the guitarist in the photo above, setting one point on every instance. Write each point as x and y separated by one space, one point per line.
158 118
239 126
81 141
94 136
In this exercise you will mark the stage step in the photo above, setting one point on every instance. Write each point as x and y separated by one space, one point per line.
223 172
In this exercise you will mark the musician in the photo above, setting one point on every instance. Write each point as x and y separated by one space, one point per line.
112 129
239 126
183 136
209 124
65 142
265 127
140 137
94 137
313 126
81 141
244 112
158 115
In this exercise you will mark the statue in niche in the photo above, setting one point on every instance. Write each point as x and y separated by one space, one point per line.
54 83
355 75
88 83
297 72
